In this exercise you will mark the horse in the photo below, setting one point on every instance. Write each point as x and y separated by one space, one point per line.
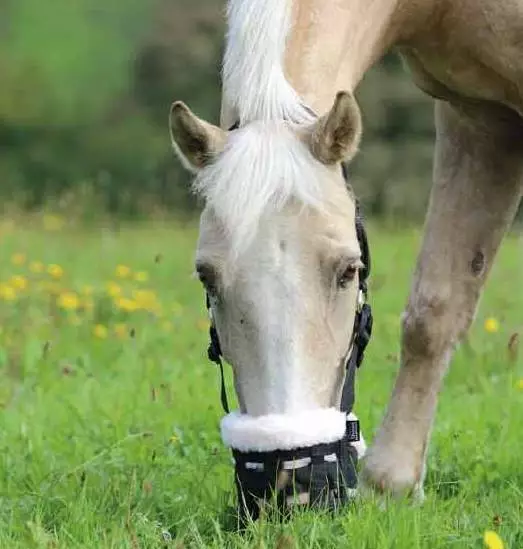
278 251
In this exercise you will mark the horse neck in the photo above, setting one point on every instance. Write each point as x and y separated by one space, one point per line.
332 43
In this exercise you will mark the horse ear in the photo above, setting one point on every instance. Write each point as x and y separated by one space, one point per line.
336 136
195 141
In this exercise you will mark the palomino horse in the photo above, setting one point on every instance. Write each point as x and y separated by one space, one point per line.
278 251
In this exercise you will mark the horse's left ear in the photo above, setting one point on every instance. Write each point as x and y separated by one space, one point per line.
195 141
336 136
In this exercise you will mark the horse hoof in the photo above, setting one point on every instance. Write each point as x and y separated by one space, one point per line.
392 473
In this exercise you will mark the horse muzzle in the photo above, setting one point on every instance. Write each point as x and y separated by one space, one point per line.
307 459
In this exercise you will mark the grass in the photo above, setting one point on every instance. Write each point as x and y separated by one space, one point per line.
110 411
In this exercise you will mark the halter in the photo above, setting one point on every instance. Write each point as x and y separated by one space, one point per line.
321 474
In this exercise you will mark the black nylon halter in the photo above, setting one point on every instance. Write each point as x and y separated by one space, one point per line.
325 472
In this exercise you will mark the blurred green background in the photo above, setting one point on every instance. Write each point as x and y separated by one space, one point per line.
85 89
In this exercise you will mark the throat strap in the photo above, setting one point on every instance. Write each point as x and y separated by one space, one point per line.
214 354
362 333
216 358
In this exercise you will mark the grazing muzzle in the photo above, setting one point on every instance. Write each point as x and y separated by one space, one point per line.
309 458
322 474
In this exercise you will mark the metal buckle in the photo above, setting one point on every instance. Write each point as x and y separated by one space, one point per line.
361 300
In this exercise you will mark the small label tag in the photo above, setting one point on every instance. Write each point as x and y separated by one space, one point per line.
352 430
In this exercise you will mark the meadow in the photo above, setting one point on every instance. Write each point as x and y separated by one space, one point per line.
110 411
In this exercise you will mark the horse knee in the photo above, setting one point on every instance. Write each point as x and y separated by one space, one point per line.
433 323
427 326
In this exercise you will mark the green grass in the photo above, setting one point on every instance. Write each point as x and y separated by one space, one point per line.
114 443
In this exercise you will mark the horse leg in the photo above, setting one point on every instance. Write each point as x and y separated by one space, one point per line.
478 176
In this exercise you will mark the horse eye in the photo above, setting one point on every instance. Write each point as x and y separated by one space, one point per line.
207 276
347 275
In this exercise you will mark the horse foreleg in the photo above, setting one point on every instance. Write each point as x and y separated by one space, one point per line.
478 177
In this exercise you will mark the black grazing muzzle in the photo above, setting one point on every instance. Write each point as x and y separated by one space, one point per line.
320 475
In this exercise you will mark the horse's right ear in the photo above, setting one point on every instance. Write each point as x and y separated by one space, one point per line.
195 141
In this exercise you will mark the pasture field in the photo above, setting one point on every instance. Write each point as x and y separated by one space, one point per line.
109 409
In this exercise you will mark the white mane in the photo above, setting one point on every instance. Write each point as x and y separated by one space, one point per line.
263 166
254 82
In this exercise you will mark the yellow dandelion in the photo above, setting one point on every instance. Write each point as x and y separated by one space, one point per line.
55 271
519 384
122 271
36 267
141 276
7 293
174 439
18 259
87 290
53 222
19 282
113 289
492 540
68 301
121 330
100 331
491 325
146 299
126 304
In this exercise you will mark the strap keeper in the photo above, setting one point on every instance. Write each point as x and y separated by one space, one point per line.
352 430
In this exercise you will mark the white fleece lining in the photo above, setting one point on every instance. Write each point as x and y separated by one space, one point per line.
281 431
